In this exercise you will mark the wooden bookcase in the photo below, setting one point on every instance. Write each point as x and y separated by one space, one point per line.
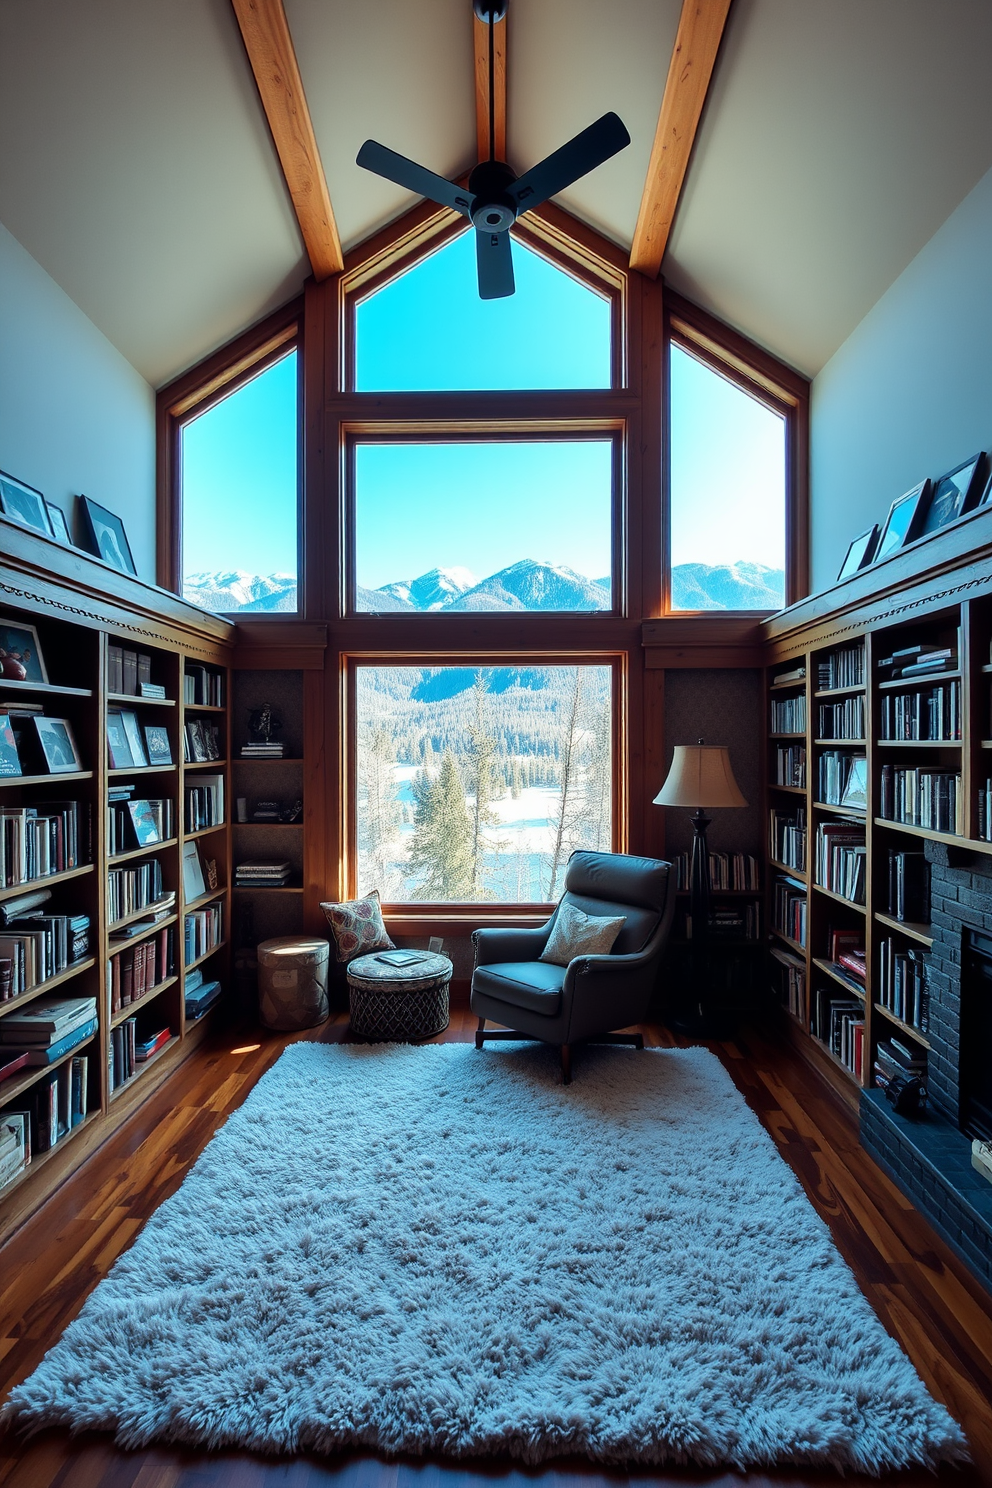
942 602
80 609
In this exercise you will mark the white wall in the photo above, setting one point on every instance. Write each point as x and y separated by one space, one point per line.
909 394
75 417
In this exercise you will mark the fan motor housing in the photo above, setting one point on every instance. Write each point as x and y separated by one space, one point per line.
493 209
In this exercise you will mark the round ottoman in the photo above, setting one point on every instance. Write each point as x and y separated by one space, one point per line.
292 982
399 1003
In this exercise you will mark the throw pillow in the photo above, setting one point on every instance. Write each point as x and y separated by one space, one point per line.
577 934
357 927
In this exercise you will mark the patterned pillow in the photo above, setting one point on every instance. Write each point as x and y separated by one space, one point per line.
577 934
357 927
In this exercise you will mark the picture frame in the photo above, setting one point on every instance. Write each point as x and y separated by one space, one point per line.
902 522
860 553
158 744
194 886
58 745
60 527
136 744
21 657
24 505
198 742
118 748
10 760
953 494
106 536
855 795
143 821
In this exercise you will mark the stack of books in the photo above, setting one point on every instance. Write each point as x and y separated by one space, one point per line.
894 1058
919 661
271 750
200 995
264 874
37 947
48 1028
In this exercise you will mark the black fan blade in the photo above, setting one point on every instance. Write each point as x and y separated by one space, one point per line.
492 253
581 155
385 162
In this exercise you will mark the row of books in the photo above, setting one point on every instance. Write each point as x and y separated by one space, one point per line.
985 811
205 803
846 952
902 984
130 672
729 922
933 714
727 871
45 1030
133 888
789 715
787 837
841 857
844 667
789 909
133 972
37 841
923 797
201 741
127 1051
202 930
203 685
137 823
839 1023
50 1111
922 660
791 988
844 719
909 886
842 779
895 1058
790 764
37 947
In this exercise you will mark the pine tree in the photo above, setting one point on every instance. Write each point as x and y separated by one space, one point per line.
483 769
379 810
441 849
569 811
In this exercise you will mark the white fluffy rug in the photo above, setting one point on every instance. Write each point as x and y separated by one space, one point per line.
434 1249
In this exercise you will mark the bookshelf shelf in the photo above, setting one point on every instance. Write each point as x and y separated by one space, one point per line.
50 689
800 873
928 681
220 946
914 1033
46 881
133 940
839 899
139 914
917 743
204 708
141 852
217 764
840 743
47 779
793 945
792 790
786 736
852 813
953 839
915 931
129 700
139 1002
204 832
837 692
15 1087
838 1063
268 888
830 969
40 988
796 683
119 770
210 897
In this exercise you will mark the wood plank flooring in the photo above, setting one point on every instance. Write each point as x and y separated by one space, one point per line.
924 1296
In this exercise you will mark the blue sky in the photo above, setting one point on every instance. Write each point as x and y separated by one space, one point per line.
481 507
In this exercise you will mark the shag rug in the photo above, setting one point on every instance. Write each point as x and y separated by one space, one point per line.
434 1249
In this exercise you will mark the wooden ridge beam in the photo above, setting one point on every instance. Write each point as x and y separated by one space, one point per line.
273 61
697 42
480 31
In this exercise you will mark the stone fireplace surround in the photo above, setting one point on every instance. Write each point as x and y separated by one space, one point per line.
929 1158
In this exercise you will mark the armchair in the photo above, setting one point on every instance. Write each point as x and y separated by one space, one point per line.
593 995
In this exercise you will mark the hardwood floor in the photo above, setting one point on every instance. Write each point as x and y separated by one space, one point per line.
923 1295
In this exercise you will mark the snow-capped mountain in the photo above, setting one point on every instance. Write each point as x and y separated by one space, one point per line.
529 585
434 590
728 586
235 590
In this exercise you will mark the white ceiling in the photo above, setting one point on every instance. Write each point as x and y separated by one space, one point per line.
136 166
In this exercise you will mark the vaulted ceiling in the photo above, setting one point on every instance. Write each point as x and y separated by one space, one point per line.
136 165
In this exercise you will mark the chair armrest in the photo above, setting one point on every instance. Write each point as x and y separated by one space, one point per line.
495 946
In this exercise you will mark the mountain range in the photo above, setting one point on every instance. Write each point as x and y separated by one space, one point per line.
524 586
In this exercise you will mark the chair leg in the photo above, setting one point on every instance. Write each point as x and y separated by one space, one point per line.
480 1033
566 1064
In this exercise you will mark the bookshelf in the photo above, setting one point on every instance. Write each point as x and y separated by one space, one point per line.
892 689
127 836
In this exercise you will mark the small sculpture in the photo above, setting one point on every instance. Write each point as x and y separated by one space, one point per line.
263 724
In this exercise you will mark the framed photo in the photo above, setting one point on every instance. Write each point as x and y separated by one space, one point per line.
132 733
144 822
860 553
10 760
902 523
20 654
25 505
193 884
157 744
954 494
106 535
856 790
118 749
60 527
198 742
57 744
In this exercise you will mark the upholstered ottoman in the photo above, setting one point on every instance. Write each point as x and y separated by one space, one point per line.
292 982
400 1004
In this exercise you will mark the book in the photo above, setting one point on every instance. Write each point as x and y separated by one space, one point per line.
194 884
48 1016
52 1052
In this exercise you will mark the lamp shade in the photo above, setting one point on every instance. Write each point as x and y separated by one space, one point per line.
700 775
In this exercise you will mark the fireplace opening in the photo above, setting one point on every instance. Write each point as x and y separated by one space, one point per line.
976 1036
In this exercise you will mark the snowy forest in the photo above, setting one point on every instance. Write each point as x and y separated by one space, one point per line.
476 784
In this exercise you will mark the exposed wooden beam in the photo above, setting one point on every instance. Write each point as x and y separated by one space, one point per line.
273 61
481 39
697 42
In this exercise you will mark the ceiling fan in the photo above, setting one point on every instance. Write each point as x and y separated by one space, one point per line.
495 197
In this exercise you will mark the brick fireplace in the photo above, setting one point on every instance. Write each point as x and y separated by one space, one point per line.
930 1157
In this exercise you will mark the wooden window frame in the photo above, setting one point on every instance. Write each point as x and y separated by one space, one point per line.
195 392
781 389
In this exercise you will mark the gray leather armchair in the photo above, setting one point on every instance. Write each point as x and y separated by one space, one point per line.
593 995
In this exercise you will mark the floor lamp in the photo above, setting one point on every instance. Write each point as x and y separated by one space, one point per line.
700 776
